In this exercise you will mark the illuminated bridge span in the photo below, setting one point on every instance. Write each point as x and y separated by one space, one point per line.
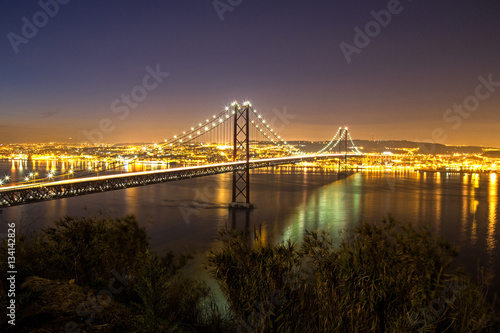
23 194
239 133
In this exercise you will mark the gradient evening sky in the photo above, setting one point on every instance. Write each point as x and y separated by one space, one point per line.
275 53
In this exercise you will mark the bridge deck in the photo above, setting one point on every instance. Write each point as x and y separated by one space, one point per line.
30 193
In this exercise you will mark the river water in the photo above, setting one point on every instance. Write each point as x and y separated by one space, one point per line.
185 215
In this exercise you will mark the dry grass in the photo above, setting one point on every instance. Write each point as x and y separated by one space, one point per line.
386 278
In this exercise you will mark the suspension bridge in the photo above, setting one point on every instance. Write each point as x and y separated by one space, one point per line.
237 140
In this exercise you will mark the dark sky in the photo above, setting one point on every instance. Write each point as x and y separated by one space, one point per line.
63 80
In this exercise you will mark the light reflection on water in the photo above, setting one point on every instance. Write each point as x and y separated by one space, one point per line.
20 169
463 208
491 240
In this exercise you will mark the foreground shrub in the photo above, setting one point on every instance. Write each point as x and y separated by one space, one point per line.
54 306
386 278
85 249
170 301
111 280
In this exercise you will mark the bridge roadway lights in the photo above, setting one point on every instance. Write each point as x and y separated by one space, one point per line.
26 194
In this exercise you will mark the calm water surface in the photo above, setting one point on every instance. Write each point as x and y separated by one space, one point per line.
185 215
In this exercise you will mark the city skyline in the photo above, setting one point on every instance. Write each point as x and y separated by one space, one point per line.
399 70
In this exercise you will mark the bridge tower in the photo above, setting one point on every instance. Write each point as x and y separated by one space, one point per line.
241 152
343 148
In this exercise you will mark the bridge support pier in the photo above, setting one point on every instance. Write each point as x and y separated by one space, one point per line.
241 151
240 219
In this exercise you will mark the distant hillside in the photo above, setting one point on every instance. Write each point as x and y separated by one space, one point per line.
398 146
